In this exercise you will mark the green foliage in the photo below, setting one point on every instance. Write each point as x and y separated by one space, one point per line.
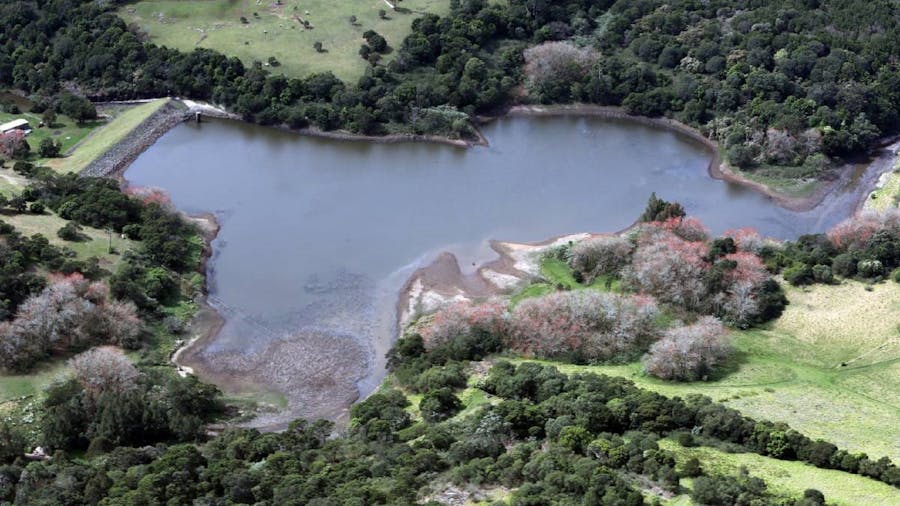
660 210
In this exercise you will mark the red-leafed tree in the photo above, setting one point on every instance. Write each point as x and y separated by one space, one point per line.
597 325
464 319
14 145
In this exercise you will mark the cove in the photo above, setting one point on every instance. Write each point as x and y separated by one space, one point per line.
318 235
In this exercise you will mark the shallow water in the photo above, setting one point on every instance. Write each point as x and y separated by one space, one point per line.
317 235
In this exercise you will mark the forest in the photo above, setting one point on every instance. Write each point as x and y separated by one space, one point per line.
786 87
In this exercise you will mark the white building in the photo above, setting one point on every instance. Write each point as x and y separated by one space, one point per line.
16 124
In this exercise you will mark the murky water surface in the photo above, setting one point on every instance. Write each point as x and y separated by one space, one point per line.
317 235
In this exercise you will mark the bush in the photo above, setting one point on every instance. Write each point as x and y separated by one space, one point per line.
36 208
799 274
49 148
689 353
844 265
439 405
822 274
71 231
597 256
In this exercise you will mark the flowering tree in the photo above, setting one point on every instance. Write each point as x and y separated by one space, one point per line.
552 67
464 319
103 370
598 325
689 353
855 232
668 268
746 239
14 145
70 313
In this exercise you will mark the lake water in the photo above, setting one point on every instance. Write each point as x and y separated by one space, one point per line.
317 235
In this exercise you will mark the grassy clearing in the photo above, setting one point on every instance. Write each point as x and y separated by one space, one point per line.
95 242
791 371
888 195
16 386
790 478
65 130
788 186
558 274
273 30
102 140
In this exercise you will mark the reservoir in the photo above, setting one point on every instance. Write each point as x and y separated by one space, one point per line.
318 235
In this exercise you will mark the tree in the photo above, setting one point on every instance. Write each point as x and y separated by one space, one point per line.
103 370
597 256
71 231
661 210
317 45
689 353
14 145
438 405
78 108
49 148
49 117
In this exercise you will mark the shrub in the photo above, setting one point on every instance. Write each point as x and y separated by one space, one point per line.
689 353
598 256
822 274
439 405
71 231
844 265
870 268
798 274
49 148
36 208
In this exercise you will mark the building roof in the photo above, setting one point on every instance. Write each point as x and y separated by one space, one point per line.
16 123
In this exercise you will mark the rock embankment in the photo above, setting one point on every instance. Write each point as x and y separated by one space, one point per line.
118 158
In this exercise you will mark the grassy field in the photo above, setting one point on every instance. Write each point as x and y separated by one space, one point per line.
95 242
275 30
787 478
14 387
65 130
101 140
791 370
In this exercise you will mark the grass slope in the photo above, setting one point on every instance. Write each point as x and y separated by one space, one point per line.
791 371
789 478
273 30
103 139
95 242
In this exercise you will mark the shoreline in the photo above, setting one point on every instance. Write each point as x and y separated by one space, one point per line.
438 282
718 169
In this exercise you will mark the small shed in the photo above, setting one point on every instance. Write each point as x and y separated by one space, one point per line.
16 124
